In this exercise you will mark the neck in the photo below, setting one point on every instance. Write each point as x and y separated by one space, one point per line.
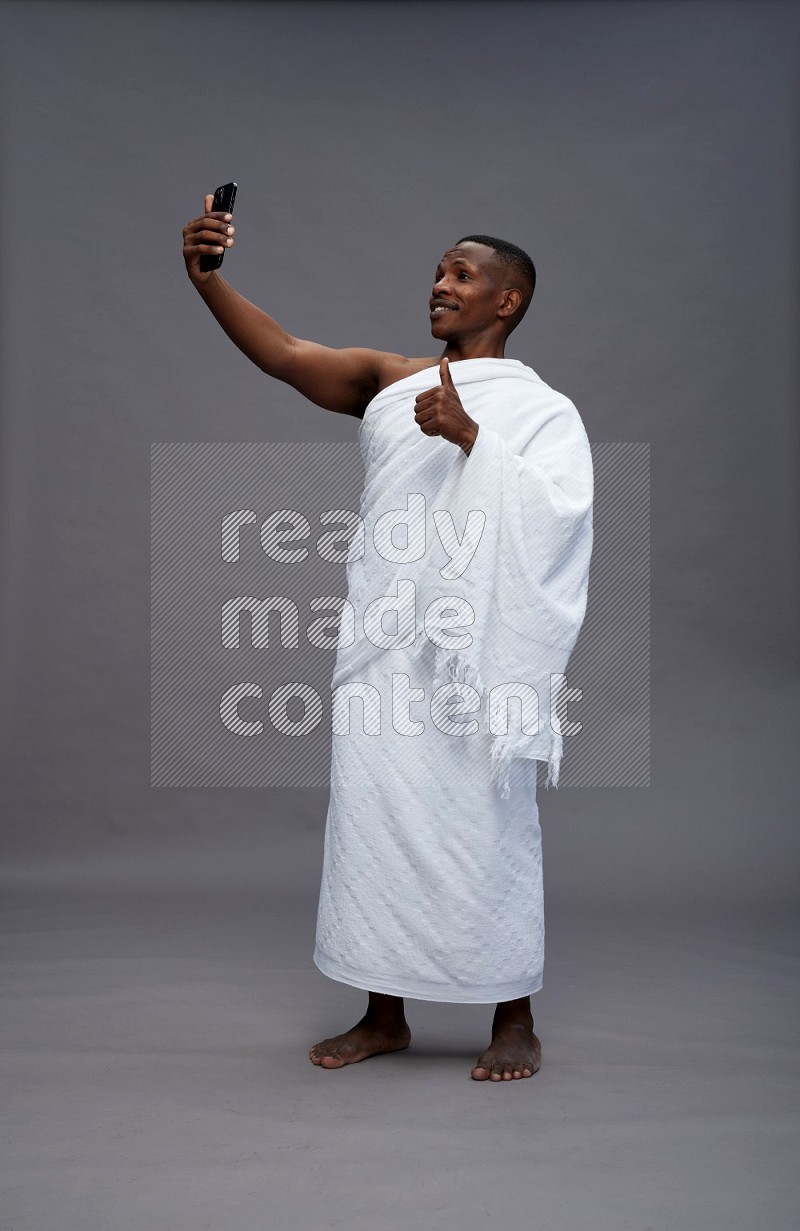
475 348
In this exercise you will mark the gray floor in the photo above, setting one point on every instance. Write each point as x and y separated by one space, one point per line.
156 1029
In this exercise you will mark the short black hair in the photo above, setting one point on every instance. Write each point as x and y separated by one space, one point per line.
512 256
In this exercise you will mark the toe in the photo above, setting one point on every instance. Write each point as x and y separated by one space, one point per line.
517 1073
480 1072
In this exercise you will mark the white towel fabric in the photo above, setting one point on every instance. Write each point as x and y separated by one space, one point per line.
432 878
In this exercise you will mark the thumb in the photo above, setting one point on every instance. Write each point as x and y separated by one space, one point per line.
208 201
444 373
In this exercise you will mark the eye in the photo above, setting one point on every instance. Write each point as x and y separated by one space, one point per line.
464 275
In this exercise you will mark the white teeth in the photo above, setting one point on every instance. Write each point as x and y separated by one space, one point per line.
442 308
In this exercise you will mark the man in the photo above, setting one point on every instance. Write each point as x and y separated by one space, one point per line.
432 879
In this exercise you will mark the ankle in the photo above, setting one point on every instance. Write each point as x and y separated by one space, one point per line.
513 1013
385 1010
389 1022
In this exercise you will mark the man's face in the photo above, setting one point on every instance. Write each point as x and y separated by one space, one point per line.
467 291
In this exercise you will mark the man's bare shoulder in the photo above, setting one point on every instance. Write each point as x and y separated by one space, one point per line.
344 379
383 369
395 367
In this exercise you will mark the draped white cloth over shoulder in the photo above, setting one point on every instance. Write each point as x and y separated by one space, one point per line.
521 505
432 878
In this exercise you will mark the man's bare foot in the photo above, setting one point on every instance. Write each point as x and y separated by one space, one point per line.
383 1028
515 1051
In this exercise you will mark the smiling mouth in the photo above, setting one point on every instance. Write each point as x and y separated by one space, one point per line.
441 308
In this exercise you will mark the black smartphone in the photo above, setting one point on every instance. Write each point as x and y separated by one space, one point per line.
223 201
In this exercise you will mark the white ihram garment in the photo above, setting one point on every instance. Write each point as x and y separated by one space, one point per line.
432 869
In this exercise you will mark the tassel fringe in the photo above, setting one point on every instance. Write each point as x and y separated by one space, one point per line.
455 665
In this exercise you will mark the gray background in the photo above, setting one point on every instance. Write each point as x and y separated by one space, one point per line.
159 941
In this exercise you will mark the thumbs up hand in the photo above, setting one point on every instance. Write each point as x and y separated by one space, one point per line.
439 412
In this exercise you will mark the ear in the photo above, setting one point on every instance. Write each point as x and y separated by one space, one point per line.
512 298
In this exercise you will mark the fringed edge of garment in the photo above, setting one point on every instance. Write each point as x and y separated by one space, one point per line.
449 665
455 665
505 748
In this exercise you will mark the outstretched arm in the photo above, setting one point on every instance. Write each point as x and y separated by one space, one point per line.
340 380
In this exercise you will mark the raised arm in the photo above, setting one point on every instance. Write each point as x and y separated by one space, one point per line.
340 380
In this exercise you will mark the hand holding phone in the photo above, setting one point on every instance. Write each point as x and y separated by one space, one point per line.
206 238
223 201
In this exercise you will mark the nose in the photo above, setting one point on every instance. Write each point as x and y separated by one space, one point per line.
440 285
